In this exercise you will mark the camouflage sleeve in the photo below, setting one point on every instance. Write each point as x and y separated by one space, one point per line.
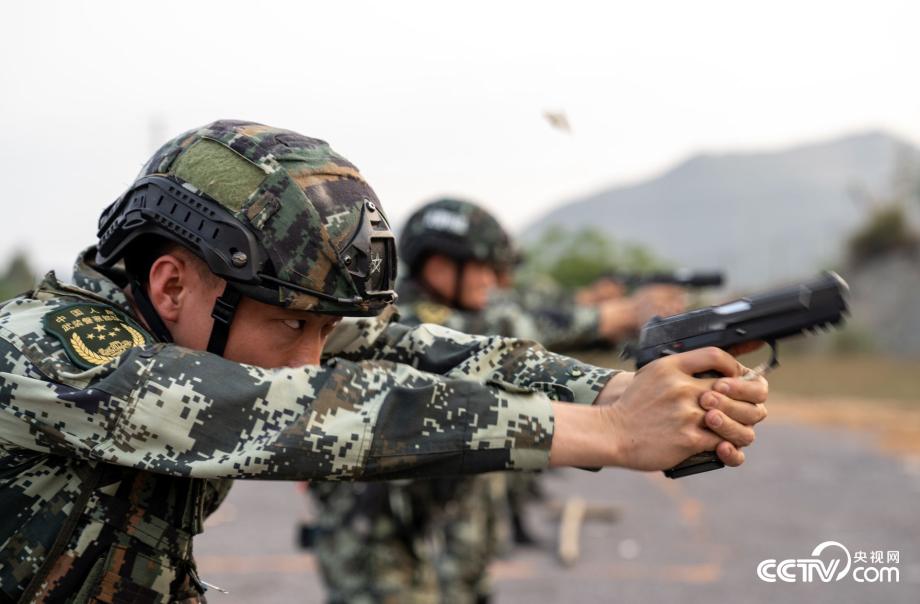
560 325
513 364
170 410
567 327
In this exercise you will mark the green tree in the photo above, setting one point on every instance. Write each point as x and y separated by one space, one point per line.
577 258
886 231
888 228
17 278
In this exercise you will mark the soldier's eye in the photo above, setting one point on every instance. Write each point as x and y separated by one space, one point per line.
294 323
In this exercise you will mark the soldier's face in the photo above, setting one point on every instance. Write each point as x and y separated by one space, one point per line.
261 334
440 274
271 336
479 279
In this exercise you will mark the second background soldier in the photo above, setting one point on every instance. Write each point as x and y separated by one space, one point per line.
432 540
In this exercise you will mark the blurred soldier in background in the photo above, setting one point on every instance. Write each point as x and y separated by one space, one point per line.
432 540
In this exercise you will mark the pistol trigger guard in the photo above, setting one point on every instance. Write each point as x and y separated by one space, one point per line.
628 351
773 363
766 366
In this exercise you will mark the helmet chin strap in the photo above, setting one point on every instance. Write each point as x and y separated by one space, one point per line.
224 309
152 318
223 312
458 285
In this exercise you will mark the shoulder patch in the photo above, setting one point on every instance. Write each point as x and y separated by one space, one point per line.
429 312
93 334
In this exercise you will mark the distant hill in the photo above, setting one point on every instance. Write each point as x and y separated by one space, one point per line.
763 217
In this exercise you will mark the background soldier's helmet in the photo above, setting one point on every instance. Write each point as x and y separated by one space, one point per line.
458 229
280 216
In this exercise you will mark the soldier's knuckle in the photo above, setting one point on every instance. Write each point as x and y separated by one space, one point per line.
713 354
695 440
686 391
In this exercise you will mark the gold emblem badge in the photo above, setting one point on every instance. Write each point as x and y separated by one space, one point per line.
429 312
93 334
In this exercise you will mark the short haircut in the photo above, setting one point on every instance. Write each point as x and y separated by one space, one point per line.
146 249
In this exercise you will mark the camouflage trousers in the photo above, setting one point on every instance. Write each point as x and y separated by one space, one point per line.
523 488
473 529
420 542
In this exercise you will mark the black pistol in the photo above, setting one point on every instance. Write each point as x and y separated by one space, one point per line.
768 317
681 277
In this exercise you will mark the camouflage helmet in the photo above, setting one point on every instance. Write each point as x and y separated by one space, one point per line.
458 229
282 217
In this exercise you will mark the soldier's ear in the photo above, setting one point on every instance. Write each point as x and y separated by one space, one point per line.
170 282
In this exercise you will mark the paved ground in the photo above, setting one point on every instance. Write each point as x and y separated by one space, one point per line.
693 540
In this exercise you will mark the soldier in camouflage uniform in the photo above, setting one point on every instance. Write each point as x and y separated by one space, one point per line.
186 352
432 540
465 247
427 540
554 319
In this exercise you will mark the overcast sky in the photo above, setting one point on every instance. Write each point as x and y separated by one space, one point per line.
429 98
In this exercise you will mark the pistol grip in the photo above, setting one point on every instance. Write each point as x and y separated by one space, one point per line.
695 464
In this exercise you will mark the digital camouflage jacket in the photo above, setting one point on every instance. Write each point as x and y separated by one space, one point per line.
113 448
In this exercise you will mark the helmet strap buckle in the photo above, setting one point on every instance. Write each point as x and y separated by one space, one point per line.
223 312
